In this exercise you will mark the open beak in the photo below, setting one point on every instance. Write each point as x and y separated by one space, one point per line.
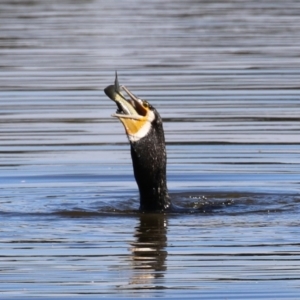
134 113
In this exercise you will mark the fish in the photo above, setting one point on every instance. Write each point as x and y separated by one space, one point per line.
114 92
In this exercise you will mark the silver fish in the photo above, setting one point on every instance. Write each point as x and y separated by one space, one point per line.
114 93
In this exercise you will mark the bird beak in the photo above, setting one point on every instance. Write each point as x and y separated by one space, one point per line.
134 113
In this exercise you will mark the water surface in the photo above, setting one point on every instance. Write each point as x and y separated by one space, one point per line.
224 77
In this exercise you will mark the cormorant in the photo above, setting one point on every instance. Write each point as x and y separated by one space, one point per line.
144 128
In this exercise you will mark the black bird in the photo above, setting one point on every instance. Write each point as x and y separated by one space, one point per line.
144 128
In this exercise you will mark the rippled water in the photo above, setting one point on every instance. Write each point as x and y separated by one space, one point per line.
224 76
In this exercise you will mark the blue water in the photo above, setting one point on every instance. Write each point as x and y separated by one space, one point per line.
224 77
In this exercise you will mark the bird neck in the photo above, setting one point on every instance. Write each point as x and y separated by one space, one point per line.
149 165
154 195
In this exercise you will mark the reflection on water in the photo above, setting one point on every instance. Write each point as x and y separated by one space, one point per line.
148 252
224 76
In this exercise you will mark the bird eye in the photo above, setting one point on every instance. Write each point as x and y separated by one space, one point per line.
146 104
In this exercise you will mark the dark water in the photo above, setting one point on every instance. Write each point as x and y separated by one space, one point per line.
225 77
